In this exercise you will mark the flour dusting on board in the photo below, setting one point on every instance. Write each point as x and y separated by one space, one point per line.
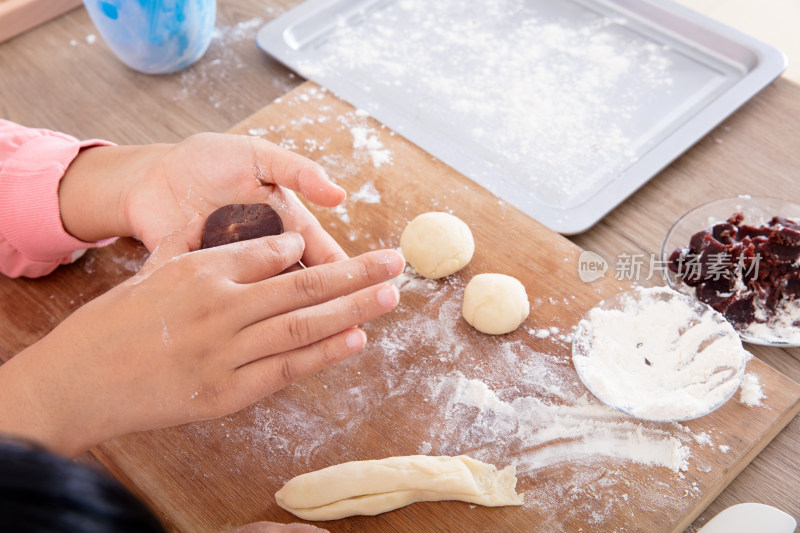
751 392
505 402
366 139
346 169
367 145
500 401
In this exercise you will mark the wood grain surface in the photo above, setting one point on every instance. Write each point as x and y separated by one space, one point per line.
317 124
84 90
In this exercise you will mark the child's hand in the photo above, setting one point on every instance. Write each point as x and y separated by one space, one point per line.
192 336
149 191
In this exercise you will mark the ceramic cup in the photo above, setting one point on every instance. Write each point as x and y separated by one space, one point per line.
155 36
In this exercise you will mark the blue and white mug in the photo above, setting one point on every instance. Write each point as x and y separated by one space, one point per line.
155 36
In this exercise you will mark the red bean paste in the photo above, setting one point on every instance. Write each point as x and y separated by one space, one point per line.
745 272
240 222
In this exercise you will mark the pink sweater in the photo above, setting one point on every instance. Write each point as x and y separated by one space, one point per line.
33 241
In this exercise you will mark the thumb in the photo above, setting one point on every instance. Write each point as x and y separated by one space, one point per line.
171 246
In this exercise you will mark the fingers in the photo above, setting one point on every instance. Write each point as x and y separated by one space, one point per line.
321 248
312 286
269 374
174 244
295 173
288 169
304 327
256 259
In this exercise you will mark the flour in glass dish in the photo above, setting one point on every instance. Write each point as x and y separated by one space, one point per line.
658 354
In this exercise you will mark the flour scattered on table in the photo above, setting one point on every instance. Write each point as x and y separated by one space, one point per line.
703 438
367 194
499 401
225 55
366 139
573 432
751 392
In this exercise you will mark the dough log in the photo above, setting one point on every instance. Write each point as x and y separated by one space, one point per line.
374 487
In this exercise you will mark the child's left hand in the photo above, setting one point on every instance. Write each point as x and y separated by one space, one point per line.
150 191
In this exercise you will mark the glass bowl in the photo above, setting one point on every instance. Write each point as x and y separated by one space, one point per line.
679 383
757 211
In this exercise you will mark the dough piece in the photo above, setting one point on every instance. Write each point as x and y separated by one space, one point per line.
240 222
374 487
437 244
495 303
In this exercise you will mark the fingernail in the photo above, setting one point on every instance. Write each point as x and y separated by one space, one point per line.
325 175
296 237
394 262
388 296
355 339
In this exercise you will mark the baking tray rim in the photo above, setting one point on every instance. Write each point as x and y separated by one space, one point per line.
769 64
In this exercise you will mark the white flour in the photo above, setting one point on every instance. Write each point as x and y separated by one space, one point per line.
751 392
660 355
525 86
367 194
498 400
570 432
503 401
217 68
365 139
302 135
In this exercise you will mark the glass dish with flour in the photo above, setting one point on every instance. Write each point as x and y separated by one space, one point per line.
660 355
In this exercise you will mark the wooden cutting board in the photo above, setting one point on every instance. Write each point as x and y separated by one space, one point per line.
400 396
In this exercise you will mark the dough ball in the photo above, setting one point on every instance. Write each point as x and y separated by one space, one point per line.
437 244
495 303
240 222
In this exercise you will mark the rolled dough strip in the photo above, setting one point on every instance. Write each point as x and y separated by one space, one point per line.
374 487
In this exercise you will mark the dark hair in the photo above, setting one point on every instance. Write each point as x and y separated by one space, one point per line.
42 493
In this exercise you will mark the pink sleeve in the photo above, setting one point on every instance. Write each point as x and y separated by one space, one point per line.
33 241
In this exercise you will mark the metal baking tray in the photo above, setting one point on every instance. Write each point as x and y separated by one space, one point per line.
562 108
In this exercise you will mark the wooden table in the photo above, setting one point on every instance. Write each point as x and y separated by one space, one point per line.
54 77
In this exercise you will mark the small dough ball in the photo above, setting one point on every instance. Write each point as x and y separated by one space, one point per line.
437 244
495 303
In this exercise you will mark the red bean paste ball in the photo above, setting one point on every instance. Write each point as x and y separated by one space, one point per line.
240 222
744 272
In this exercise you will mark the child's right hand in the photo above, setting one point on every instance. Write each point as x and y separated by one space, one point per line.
192 336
